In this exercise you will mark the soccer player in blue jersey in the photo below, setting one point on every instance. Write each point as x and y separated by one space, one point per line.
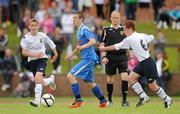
85 68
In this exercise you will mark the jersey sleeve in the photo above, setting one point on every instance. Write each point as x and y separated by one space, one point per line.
23 43
103 36
149 38
122 45
87 33
49 42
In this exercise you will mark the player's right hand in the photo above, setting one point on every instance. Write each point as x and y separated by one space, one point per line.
105 60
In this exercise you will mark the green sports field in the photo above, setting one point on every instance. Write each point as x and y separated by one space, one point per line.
21 106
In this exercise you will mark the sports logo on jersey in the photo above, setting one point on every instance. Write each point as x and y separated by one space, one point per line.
41 40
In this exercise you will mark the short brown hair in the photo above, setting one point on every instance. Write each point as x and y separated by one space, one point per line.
80 14
33 20
130 24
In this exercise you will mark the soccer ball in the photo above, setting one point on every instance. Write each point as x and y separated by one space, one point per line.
47 100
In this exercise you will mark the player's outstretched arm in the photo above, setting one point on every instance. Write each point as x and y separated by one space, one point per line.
108 48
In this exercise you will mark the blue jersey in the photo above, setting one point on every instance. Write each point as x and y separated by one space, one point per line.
84 34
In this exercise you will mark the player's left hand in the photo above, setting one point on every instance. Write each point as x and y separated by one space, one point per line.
53 58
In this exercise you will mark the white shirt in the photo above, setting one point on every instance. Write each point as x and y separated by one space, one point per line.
138 43
67 23
99 2
144 1
36 44
40 15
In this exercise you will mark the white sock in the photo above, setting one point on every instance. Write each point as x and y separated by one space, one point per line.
160 92
138 89
47 81
38 92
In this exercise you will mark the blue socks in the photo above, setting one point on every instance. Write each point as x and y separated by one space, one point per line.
97 92
76 91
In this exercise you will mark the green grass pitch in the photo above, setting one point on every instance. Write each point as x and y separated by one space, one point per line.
21 106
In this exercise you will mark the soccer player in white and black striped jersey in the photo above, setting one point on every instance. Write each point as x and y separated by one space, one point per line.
138 43
33 46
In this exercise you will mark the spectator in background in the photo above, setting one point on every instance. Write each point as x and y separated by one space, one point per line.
117 5
84 4
14 10
59 42
175 17
132 60
3 42
98 31
40 13
112 4
75 5
163 69
130 9
62 5
144 6
99 8
24 87
33 5
9 70
55 12
47 24
4 5
163 18
68 27
89 20
157 4
22 25
160 41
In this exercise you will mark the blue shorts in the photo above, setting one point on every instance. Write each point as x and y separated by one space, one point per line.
84 70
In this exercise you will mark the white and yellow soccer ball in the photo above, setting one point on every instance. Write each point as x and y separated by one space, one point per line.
47 100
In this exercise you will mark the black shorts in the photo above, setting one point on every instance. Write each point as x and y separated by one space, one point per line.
111 67
147 68
38 65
